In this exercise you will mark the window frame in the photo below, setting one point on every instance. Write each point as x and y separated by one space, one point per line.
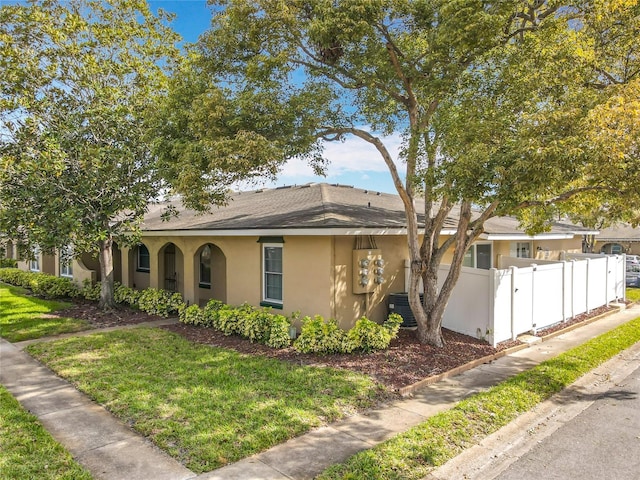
140 268
203 283
266 300
529 248
66 266
34 263
473 250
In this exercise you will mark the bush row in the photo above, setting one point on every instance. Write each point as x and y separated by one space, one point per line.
324 337
317 334
257 324
260 325
8 263
151 300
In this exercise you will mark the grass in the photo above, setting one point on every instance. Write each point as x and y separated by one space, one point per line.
418 451
27 450
23 317
205 406
633 294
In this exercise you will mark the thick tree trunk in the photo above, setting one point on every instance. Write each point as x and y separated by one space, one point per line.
106 271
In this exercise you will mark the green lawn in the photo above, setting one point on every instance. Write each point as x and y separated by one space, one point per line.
205 406
415 453
633 294
27 451
21 317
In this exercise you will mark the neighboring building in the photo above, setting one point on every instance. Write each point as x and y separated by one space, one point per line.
621 238
299 248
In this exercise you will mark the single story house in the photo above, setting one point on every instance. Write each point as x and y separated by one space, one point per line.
332 250
622 238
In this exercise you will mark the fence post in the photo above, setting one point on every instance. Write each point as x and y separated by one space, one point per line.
564 290
514 271
492 305
588 274
534 321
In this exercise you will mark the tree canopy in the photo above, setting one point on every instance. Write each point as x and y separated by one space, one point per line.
79 81
507 107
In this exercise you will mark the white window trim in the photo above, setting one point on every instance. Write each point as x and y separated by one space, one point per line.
201 283
474 253
264 273
66 268
138 267
34 265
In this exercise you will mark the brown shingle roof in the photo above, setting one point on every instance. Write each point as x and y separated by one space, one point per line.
315 205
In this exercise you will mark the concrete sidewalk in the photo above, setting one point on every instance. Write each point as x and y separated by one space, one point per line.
112 451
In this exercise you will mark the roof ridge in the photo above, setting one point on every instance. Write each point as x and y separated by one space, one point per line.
324 194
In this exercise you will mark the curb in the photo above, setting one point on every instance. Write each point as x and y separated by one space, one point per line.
410 389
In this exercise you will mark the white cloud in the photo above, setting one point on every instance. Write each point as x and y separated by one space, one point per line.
351 155
352 161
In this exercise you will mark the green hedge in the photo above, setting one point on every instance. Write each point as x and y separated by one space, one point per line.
259 325
326 337
8 263
151 300
40 284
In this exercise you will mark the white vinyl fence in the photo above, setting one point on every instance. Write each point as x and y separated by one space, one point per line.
526 295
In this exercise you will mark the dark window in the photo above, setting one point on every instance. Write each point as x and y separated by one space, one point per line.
205 267
144 260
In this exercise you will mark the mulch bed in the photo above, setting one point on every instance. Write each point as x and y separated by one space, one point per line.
404 363
89 311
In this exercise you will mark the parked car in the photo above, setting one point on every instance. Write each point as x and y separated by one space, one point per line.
633 271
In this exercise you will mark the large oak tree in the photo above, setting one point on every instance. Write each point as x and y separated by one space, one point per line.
502 106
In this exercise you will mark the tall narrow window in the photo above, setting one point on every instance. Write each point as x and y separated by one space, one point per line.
66 257
272 273
205 267
34 264
523 249
144 260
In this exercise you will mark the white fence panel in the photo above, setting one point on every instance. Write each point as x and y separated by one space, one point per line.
579 287
469 306
548 295
597 282
523 301
497 305
501 313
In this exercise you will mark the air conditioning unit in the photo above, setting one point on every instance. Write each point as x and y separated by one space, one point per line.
399 303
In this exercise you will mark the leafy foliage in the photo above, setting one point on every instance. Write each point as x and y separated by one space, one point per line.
80 79
326 337
502 107
159 302
257 324
8 263
41 284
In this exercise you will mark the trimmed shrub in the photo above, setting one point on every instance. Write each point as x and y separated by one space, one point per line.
368 336
255 324
8 263
320 336
49 286
128 295
211 310
90 291
278 336
159 302
191 315
227 321
16 277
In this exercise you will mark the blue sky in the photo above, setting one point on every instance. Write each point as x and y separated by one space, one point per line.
353 162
